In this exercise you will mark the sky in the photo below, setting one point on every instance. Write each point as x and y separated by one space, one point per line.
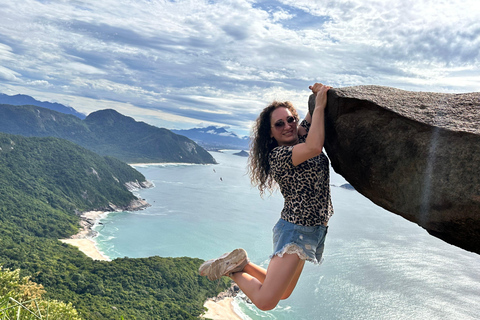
193 63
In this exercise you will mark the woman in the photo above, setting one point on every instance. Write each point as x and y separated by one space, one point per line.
289 155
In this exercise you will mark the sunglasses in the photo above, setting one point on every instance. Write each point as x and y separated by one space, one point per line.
280 124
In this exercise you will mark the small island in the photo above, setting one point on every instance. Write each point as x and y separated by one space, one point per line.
242 153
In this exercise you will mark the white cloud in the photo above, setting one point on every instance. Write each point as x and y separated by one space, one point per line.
220 62
7 74
40 83
7 57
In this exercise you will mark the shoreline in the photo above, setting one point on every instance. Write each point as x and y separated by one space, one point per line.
162 164
83 240
220 309
223 306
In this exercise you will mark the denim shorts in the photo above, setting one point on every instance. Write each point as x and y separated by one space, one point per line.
307 242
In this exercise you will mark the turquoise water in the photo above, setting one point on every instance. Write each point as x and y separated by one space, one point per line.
377 264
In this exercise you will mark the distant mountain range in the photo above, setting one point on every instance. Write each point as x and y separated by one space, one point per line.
105 132
209 138
22 100
215 138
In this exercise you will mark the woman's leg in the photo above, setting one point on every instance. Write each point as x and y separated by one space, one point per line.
256 271
294 281
281 277
260 273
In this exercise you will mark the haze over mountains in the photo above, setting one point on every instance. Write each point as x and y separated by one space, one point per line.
214 138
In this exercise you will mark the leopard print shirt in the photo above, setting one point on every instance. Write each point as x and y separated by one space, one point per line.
305 188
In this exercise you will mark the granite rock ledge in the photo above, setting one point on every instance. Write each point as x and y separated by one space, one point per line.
416 154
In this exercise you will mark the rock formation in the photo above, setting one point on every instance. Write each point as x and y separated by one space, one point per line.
416 154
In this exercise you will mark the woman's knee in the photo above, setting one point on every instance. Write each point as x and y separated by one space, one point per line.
286 295
266 305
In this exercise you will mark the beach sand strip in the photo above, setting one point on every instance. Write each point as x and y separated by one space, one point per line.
220 310
83 239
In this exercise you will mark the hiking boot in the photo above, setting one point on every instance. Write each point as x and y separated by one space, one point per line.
224 265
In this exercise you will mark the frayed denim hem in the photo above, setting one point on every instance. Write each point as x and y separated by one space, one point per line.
293 248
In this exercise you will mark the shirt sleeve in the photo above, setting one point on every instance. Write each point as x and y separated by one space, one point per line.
306 125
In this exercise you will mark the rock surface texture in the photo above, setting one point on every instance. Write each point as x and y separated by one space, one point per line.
416 154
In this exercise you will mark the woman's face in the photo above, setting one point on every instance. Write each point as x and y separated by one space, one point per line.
283 127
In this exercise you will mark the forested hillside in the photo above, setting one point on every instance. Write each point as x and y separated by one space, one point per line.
43 181
105 132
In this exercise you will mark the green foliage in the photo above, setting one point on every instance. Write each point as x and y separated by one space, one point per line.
78 177
105 132
147 288
21 298
43 181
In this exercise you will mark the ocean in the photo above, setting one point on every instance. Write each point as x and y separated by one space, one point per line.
377 264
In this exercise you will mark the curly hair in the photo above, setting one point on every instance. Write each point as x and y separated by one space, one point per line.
261 143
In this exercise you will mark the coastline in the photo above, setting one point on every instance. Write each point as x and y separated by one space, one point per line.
83 240
223 306
220 310
161 164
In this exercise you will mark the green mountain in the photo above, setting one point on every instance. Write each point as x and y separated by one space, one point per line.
62 174
43 183
105 132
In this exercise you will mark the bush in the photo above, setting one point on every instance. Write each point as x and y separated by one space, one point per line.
21 299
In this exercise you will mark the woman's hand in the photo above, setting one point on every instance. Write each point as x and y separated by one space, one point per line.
320 92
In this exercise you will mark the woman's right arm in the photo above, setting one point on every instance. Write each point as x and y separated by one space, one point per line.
313 145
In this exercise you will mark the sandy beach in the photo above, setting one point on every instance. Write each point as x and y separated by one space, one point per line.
220 310
88 247
83 239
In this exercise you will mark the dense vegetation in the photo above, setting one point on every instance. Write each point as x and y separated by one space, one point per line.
60 173
23 299
105 132
43 181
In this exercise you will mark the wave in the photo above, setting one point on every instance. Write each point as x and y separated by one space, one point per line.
171 182
164 164
142 213
238 310
107 238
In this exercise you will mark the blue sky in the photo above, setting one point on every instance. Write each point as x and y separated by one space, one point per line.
184 64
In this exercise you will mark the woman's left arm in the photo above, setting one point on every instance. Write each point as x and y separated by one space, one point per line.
301 130
314 143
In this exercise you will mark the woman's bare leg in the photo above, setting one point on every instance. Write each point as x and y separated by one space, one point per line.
256 271
281 277
294 281
260 273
